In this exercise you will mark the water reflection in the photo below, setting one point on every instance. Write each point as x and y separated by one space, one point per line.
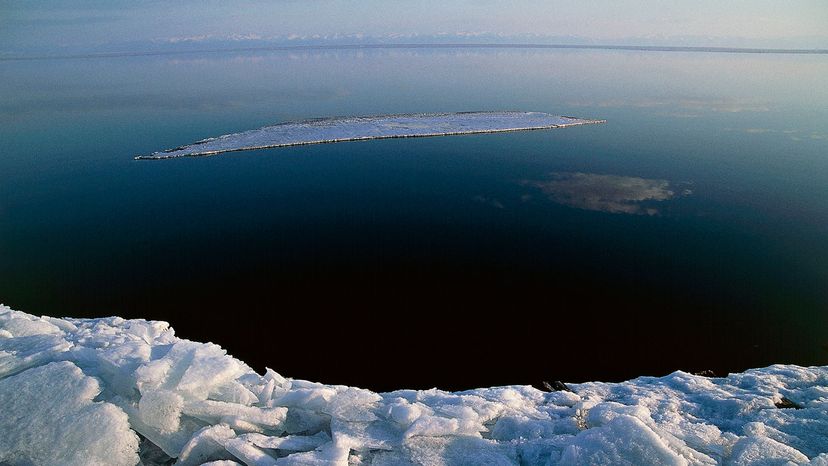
605 193
792 134
691 108
489 201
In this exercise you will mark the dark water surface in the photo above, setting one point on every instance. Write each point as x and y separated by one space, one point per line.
688 232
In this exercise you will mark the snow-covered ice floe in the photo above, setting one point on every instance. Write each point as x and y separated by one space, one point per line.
115 391
325 130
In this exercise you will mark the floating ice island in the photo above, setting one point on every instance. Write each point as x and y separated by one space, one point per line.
123 392
326 130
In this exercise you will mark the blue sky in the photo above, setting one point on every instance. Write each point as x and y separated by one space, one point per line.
94 24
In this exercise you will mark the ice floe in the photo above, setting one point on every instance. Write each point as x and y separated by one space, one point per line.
116 391
324 130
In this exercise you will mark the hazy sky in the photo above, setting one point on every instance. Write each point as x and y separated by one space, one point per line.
44 24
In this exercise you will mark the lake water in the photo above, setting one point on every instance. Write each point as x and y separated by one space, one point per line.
688 232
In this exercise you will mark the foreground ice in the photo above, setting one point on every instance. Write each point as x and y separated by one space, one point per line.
324 130
115 391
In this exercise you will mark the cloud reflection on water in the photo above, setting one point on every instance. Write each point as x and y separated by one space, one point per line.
605 193
792 134
690 108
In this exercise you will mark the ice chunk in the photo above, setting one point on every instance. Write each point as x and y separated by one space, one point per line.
290 442
210 367
195 371
603 413
760 451
62 324
171 443
522 427
353 404
207 443
316 398
19 353
220 411
450 451
404 413
28 341
437 426
161 409
625 440
305 421
329 455
361 436
48 417
324 130
152 375
562 398
19 326
250 454
233 392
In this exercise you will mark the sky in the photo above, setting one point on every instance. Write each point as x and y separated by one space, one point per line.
110 24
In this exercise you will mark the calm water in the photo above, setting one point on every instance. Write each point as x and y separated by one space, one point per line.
689 232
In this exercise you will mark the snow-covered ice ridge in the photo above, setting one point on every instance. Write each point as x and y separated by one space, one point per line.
325 130
115 391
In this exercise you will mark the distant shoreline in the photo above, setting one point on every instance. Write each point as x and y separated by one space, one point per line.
637 48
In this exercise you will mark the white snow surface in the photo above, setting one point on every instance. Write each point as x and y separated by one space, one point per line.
115 391
340 129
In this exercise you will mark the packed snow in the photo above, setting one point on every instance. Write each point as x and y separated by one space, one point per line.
325 130
116 391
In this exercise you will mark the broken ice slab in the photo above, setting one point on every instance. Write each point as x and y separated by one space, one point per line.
340 129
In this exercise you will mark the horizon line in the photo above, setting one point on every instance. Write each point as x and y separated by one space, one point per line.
640 48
